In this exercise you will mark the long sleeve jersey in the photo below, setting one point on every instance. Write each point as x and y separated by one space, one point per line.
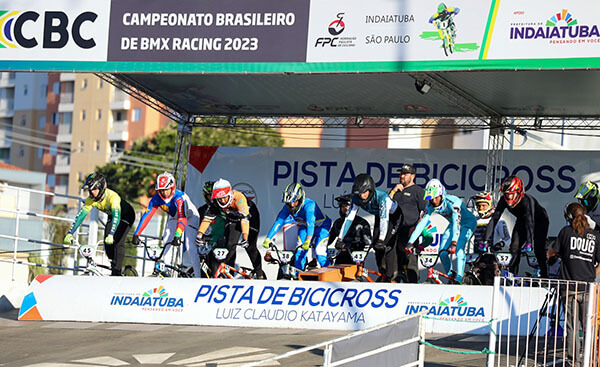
110 204
358 236
309 215
380 205
179 207
451 208
444 15
501 232
528 210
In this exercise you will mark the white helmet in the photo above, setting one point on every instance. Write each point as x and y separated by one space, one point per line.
222 189
433 189
165 181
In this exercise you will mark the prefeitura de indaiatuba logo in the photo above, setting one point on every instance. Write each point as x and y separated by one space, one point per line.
562 27
155 299
454 307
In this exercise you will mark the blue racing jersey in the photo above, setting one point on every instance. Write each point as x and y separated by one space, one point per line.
309 215
380 205
451 208
179 207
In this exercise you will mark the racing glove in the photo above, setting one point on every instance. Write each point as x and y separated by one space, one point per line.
109 240
176 240
68 239
379 245
135 239
244 243
306 244
266 243
339 244
452 248
527 247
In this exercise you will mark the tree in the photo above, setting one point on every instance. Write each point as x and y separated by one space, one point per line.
135 179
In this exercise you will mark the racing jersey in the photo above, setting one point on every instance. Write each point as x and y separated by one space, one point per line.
528 209
380 205
216 231
109 204
451 208
594 218
237 211
180 206
444 15
310 215
358 236
500 232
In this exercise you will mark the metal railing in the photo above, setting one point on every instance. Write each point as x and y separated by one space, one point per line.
551 316
380 345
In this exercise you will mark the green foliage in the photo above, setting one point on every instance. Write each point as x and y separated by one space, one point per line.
34 271
58 231
131 181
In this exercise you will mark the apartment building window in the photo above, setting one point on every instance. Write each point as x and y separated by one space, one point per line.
52 150
42 122
79 176
21 152
118 116
99 114
40 153
51 180
55 118
100 83
25 89
56 88
81 146
82 115
44 90
5 154
24 121
83 84
67 118
137 114
97 147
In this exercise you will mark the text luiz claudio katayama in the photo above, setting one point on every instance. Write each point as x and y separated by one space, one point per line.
245 302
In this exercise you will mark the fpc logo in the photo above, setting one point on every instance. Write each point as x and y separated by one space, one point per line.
57 29
335 28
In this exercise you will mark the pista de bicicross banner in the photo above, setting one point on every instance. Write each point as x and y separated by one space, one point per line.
298 35
278 304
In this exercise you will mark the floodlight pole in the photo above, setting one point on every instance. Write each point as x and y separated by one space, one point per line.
182 150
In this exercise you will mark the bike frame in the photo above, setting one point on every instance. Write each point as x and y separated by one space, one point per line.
435 274
285 267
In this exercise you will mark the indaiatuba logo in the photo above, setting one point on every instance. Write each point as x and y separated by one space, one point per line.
560 26
155 299
455 306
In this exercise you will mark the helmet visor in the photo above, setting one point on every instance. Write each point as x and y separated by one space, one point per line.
584 191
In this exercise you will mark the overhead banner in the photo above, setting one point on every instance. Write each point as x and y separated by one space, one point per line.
57 30
539 29
276 304
383 30
263 173
208 31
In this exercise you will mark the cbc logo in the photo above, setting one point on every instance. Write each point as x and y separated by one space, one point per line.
57 29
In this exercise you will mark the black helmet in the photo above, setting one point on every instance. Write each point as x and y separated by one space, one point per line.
362 183
95 181
344 199
292 193
207 190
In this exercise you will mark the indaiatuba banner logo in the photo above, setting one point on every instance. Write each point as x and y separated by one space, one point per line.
562 27
454 307
155 299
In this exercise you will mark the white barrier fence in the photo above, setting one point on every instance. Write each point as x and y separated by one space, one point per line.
555 315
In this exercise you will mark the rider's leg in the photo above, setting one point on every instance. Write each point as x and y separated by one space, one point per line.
167 238
118 246
466 232
445 242
379 254
189 243
252 250
300 259
540 234
320 239
517 240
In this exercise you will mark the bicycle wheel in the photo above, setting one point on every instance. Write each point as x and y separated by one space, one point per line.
445 44
129 271
470 279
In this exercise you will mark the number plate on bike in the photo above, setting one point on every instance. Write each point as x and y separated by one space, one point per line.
220 253
504 258
86 251
332 252
204 250
286 256
359 256
427 260
154 252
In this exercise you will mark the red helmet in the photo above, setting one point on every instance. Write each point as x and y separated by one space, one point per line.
222 189
484 197
165 181
513 184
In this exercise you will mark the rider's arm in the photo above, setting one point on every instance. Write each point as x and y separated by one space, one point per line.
453 10
152 206
489 231
455 204
529 217
433 17
209 215
421 225
87 207
241 205
363 232
283 213
385 206
115 207
310 219
348 221
181 218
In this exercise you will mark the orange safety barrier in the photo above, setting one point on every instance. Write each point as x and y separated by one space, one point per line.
334 273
